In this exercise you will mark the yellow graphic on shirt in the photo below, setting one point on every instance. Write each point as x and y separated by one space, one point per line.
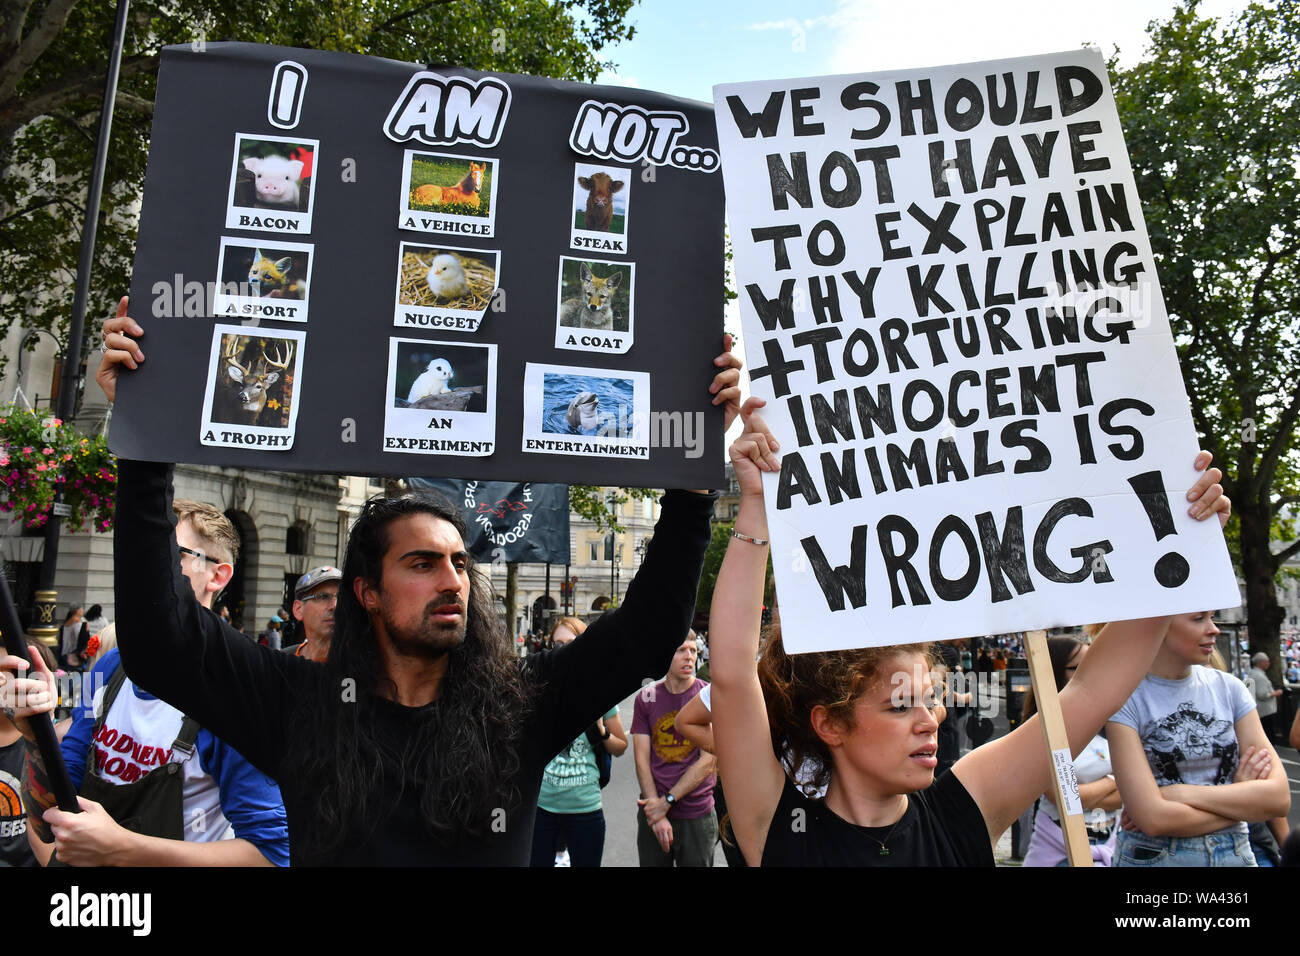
670 747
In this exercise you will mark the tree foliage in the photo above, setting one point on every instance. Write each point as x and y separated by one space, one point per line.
1212 121
52 64
713 555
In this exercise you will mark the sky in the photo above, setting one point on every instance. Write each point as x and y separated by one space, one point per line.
683 47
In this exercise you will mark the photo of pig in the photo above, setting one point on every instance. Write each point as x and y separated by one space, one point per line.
273 173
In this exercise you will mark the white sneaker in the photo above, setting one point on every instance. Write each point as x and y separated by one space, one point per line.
562 858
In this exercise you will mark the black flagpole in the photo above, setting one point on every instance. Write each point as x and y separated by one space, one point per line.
46 740
76 329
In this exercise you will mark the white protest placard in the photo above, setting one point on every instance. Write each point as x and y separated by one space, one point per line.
950 304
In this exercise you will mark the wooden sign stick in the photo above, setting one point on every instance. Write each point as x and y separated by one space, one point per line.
1059 757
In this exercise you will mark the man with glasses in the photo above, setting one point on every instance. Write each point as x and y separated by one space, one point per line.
315 597
156 789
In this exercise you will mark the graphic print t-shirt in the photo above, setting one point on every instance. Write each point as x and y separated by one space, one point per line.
671 756
1188 727
14 848
571 781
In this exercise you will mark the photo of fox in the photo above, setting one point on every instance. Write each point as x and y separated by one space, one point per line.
274 279
264 272
590 301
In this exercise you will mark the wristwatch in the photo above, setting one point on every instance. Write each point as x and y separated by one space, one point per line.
669 798
607 734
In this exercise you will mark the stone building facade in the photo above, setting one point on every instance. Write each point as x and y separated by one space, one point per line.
599 569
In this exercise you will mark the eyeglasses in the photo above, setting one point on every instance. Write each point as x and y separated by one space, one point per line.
327 596
199 554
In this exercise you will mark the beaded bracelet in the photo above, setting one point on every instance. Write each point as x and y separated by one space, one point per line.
744 537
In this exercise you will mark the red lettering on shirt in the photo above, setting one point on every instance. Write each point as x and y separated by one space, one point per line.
146 755
124 744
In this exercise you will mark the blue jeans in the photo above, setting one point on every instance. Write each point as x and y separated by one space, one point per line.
1230 847
583 833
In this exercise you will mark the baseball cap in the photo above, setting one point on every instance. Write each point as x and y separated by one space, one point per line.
314 577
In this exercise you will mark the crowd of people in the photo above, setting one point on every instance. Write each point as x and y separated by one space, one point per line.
404 728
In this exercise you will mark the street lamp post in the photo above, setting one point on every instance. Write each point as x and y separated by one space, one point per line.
613 552
71 380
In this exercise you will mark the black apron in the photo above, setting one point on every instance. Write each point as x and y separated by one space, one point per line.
153 805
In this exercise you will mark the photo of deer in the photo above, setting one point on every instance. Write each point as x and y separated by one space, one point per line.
254 381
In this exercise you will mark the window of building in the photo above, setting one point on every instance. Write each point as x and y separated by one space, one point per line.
295 540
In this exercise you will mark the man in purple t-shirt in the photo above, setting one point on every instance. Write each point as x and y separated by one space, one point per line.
675 822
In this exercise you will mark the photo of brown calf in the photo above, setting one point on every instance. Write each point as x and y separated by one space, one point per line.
600 201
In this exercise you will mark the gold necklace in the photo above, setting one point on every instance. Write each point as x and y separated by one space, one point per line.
884 850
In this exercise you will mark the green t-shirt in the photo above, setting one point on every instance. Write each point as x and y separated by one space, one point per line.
571 781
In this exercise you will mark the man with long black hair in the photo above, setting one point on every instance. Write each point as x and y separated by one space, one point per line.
422 738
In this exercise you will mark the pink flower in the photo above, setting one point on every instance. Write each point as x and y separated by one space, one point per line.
27 450
40 467
4 460
47 450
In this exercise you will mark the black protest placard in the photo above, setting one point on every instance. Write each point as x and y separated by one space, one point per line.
354 265
509 521
951 306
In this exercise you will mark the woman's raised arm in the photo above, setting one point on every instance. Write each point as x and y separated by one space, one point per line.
753 774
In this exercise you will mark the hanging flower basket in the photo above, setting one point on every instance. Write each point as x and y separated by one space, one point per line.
41 456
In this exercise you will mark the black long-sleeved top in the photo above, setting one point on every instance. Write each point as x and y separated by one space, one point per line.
247 694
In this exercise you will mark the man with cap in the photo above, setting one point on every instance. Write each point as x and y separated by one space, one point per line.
314 598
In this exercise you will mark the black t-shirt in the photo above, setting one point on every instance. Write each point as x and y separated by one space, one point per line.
942 826
249 695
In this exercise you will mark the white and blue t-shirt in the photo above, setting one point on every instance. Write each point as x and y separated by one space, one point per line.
224 796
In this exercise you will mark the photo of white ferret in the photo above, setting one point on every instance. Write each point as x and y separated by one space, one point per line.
433 381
